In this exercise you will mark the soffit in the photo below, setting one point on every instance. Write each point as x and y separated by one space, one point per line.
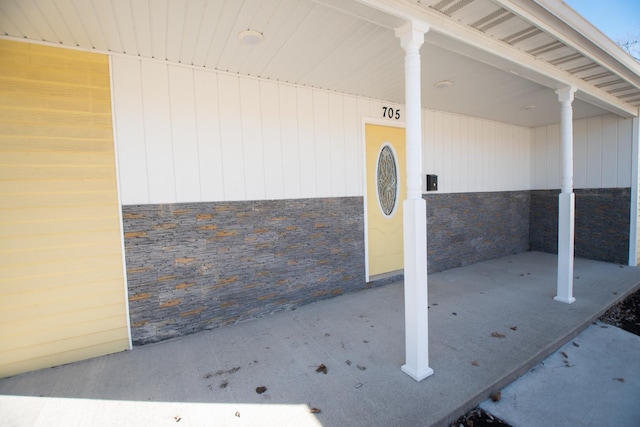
338 45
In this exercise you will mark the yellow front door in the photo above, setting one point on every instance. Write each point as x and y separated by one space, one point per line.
385 166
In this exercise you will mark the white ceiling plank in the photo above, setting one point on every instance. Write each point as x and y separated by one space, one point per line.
336 35
39 21
234 46
20 21
287 17
158 19
263 15
58 24
108 25
222 35
74 23
6 26
175 28
124 19
206 31
193 20
141 15
91 24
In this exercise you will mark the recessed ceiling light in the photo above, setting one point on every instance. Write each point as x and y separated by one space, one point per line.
250 37
528 107
443 84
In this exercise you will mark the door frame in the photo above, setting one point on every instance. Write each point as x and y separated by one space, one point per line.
376 122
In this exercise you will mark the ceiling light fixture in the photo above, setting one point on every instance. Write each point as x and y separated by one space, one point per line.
251 37
443 84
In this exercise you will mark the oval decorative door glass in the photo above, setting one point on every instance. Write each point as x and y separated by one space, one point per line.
387 180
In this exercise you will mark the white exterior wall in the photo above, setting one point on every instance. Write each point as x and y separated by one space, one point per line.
601 159
193 135
475 155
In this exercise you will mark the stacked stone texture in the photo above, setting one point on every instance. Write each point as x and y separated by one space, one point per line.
601 223
197 266
466 228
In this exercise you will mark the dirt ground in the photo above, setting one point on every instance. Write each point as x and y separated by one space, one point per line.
624 315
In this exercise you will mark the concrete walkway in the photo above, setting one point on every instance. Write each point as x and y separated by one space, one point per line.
489 324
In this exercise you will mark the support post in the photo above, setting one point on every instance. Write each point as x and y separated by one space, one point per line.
566 200
416 365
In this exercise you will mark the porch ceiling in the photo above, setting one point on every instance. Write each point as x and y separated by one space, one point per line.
350 46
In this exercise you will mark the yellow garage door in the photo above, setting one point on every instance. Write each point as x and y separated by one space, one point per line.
62 293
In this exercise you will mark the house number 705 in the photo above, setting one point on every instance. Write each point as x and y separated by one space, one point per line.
390 113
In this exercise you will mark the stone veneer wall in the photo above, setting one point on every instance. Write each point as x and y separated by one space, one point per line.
601 227
197 266
466 228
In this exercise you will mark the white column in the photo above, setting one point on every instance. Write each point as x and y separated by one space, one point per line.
566 205
416 365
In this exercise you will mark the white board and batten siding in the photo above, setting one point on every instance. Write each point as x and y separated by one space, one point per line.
190 135
601 158
475 155
193 135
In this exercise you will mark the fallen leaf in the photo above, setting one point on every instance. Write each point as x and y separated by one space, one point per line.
362 368
497 335
348 362
564 354
495 397
454 313
619 379
315 410
177 418
575 345
359 385
238 414
365 341
224 384
475 363
261 389
514 328
322 369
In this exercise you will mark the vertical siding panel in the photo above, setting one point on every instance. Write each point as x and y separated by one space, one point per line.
479 164
231 138
438 147
363 110
539 158
456 154
465 173
487 154
428 159
306 143
525 158
157 125
184 134
609 151
291 172
553 156
253 152
352 151
336 138
208 134
580 154
271 139
447 182
322 143
594 152
129 131
625 141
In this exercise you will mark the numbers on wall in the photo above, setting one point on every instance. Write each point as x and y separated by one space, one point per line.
391 113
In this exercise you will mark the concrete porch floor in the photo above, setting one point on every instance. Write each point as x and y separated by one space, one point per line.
210 378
